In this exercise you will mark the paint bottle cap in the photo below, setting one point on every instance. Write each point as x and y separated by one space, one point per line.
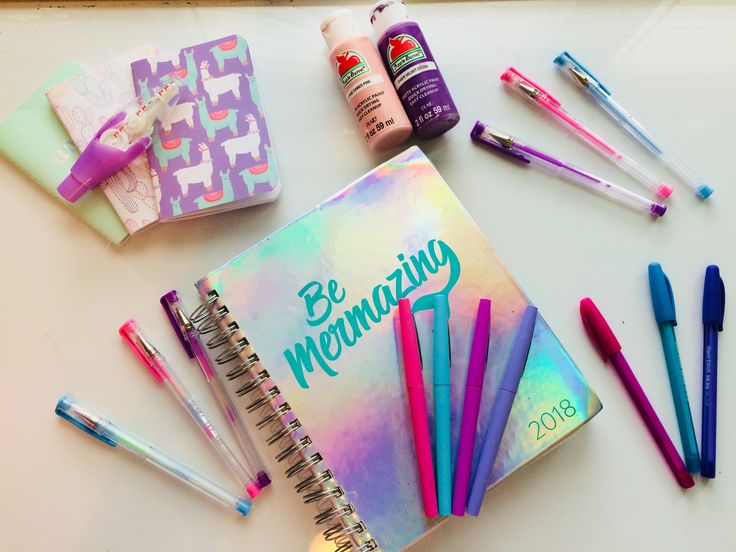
338 26
386 14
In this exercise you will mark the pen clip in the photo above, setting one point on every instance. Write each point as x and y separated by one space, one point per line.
579 71
86 424
528 86
598 330
174 308
663 300
714 298
141 347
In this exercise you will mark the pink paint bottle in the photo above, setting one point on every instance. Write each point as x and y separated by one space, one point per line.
364 82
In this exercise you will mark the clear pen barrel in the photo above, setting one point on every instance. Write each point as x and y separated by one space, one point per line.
603 187
166 463
227 455
637 130
250 454
640 174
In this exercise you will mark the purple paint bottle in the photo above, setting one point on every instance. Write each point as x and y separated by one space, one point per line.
414 72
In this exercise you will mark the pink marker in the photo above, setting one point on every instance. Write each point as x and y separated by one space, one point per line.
473 390
162 372
543 99
418 406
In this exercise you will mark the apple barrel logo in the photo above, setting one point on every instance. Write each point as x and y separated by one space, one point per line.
350 65
403 50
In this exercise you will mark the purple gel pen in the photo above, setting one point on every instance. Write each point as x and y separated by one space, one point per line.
509 145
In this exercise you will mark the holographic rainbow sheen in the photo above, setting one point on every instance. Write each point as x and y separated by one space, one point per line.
359 419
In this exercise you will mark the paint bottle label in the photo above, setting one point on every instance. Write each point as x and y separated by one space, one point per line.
369 92
417 79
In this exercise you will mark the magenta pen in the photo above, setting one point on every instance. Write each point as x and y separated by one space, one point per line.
471 405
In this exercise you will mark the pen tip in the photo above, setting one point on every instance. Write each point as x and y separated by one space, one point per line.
183 319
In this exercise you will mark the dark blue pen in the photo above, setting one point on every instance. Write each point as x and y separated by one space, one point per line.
714 305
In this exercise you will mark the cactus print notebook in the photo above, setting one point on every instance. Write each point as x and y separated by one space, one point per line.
213 153
309 313
83 103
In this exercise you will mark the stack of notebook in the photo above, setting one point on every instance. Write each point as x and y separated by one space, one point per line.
212 153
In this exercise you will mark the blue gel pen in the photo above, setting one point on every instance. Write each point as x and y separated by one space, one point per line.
602 96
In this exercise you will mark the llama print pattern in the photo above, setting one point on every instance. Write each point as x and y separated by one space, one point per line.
218 198
169 150
214 134
249 144
83 103
261 174
233 47
162 57
196 174
217 86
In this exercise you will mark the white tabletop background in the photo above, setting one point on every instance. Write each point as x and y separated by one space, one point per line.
66 291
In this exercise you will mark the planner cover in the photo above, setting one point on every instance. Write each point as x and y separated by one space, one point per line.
33 139
317 301
214 152
83 103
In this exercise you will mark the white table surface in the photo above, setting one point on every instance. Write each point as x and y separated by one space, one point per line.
66 291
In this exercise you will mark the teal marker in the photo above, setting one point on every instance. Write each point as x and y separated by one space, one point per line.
663 302
441 385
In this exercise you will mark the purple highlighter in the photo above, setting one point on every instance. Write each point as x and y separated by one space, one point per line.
509 145
473 389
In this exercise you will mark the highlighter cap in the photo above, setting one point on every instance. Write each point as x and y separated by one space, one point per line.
663 299
598 330
714 298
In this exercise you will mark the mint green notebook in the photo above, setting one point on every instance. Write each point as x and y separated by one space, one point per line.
34 140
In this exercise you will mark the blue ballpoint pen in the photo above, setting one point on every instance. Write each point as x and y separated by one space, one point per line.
663 302
714 305
441 385
602 96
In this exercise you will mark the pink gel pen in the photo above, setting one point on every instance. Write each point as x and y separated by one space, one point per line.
418 406
162 372
544 100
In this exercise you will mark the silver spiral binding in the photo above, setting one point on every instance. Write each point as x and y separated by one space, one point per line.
316 484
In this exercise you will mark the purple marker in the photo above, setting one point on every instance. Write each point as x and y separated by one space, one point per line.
509 145
473 389
501 408
414 72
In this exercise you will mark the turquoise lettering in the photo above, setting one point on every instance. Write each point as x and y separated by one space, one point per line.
301 360
312 299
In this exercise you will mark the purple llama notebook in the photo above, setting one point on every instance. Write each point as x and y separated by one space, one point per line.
213 152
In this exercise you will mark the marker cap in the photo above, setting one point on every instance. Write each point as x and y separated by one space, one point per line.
663 299
598 330
714 298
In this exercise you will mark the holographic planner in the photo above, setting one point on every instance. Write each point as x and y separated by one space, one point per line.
309 315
